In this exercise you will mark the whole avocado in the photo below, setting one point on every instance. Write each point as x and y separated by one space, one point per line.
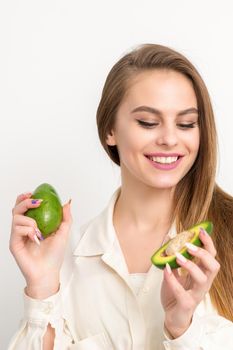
48 215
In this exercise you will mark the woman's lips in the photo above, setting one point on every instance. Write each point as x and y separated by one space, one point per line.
164 162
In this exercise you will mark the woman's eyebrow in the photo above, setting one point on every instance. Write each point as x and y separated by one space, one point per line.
158 112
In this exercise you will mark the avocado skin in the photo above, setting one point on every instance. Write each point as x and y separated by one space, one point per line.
160 261
48 215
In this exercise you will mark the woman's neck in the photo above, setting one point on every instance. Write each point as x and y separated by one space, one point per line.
144 207
142 219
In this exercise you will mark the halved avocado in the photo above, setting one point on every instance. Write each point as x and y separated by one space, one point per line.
160 258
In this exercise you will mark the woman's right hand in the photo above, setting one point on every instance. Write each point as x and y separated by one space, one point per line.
39 263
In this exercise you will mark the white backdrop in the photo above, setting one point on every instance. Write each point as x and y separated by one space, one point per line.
55 56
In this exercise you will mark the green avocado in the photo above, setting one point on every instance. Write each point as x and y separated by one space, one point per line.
49 214
161 257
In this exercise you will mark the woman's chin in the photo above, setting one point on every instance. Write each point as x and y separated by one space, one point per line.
164 184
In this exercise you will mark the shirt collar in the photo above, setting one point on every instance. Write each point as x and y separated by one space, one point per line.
98 236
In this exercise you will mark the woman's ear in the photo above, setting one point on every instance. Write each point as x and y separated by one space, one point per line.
110 139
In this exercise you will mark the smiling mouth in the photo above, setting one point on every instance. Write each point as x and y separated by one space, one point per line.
163 160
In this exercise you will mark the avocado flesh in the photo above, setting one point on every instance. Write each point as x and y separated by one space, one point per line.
48 215
160 259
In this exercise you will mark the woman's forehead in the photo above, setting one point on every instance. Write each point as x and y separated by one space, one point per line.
160 90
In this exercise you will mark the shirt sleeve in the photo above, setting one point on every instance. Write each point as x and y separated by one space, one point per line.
37 315
210 332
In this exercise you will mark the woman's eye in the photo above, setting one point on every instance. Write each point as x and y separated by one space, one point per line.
146 124
182 126
187 126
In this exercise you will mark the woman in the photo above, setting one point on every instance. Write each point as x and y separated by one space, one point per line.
156 122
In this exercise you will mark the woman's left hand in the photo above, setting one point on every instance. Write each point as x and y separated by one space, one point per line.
180 295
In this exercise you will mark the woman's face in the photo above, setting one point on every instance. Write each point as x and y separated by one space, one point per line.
156 129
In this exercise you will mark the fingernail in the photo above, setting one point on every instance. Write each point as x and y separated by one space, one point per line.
191 246
36 201
168 268
38 233
181 257
70 201
36 240
203 231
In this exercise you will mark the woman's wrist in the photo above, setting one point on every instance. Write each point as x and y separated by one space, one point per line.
175 332
42 289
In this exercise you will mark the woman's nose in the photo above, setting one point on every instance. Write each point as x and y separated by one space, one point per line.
167 137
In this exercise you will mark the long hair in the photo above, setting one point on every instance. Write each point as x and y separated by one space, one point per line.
197 196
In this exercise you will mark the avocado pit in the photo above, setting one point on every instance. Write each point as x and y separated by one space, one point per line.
178 243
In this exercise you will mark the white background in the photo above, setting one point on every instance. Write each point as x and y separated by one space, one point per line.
54 59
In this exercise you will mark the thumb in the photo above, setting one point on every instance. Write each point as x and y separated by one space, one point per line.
67 217
66 221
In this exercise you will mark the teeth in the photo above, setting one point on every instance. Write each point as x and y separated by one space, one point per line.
164 160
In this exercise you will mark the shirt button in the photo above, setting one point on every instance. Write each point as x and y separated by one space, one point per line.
167 346
48 308
145 289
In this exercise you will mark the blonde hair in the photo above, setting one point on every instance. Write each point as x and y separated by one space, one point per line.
197 197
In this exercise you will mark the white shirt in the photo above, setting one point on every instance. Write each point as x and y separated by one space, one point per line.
98 306
137 281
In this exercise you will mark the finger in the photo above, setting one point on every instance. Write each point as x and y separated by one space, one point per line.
198 276
21 233
26 204
18 228
182 278
210 264
173 284
207 242
22 196
67 213
200 281
67 220
22 220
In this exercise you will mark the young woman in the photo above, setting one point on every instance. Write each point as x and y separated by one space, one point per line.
156 122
